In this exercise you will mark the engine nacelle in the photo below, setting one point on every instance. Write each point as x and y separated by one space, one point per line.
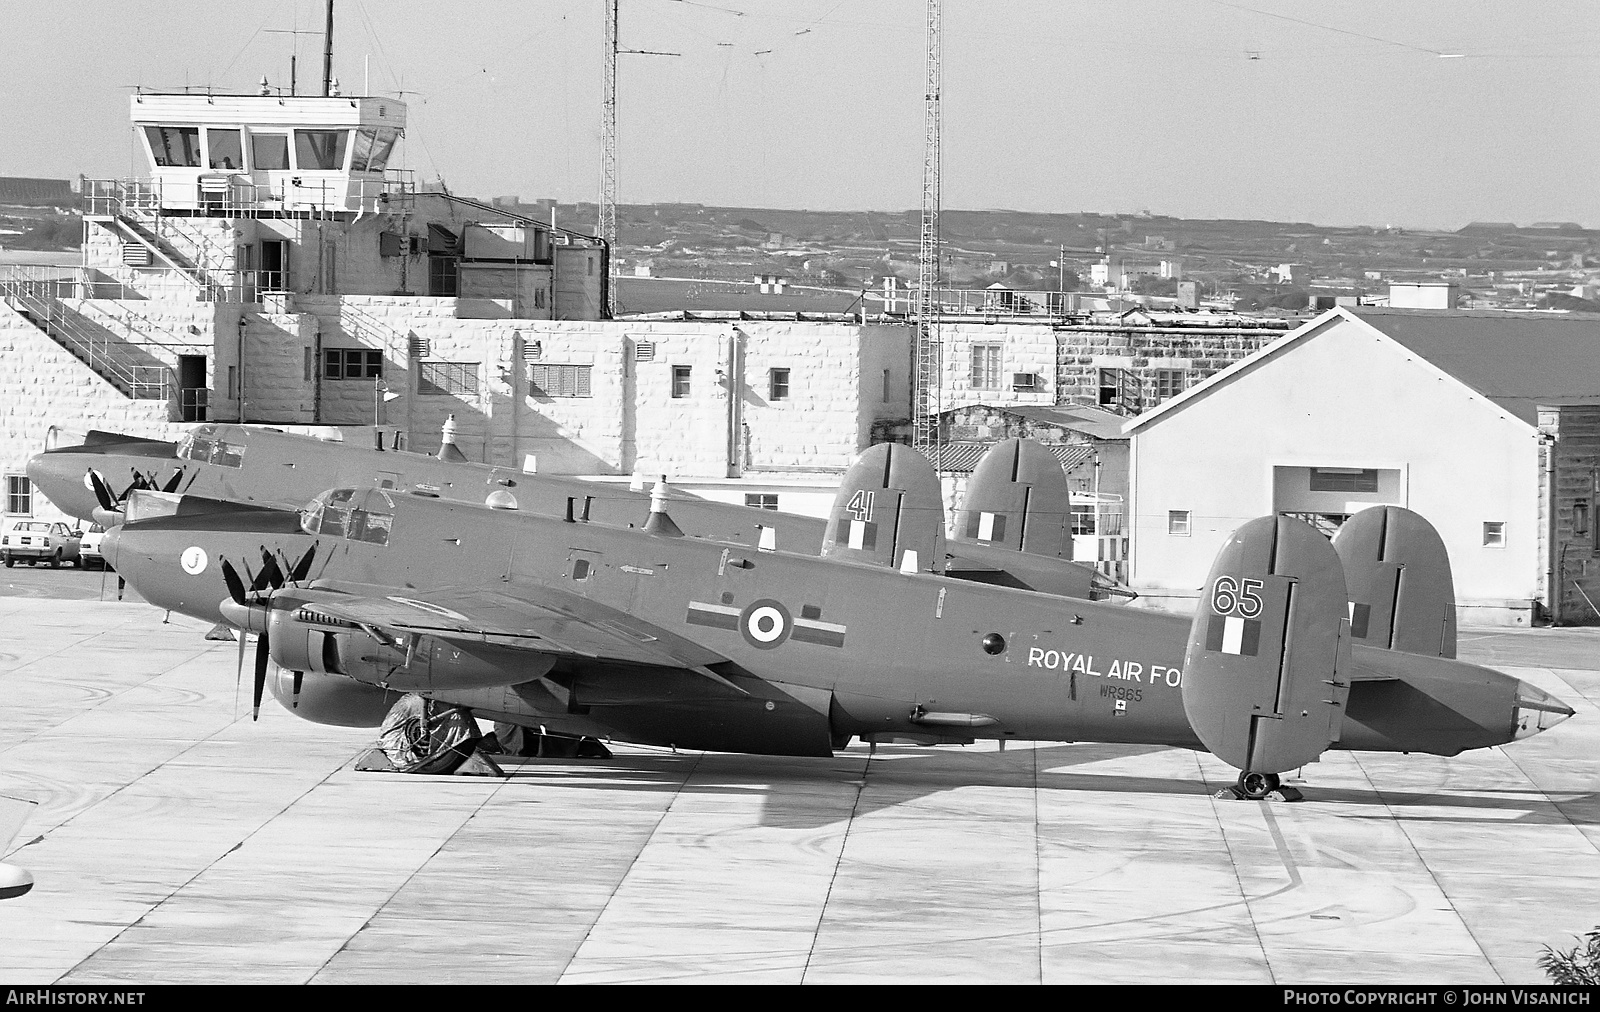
333 699
304 641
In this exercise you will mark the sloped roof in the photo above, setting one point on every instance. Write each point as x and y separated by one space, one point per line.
962 458
1517 360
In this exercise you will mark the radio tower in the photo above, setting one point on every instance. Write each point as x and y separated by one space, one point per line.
927 354
608 160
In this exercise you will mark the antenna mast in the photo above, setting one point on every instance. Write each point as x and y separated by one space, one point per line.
327 54
608 159
927 353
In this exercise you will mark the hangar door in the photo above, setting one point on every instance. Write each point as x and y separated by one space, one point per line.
1325 497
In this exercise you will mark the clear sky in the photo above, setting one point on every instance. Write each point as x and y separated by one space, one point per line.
1427 113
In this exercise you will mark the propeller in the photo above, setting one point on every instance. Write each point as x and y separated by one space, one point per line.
270 575
172 483
101 491
249 607
263 652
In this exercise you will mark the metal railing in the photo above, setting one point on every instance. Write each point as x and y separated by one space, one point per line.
107 355
289 195
358 323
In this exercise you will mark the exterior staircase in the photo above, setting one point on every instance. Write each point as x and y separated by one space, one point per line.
132 370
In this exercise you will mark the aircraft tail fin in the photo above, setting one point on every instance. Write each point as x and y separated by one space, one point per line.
1018 498
889 511
1263 678
1402 593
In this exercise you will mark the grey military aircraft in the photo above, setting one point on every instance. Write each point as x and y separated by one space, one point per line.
642 634
1014 527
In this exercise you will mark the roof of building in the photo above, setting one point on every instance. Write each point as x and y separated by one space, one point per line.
1090 421
962 458
1517 360
28 190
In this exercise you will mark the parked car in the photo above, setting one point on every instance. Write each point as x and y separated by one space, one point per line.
35 541
89 548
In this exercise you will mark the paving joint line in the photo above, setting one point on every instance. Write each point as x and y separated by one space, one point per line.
623 878
1399 824
209 865
504 780
855 806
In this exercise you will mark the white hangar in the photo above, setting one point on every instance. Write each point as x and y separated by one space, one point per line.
1487 423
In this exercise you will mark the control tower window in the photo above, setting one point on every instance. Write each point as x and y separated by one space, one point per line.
269 151
172 145
372 148
225 148
320 149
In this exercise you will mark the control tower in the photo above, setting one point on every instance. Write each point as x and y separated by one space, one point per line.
267 154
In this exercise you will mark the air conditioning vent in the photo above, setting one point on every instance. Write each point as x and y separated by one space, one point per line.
1024 381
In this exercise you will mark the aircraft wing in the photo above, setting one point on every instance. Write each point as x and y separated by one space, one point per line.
530 616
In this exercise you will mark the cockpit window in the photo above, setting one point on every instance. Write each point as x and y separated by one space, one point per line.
200 445
336 514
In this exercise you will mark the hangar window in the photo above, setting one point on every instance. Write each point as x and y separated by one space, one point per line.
1169 384
986 367
680 381
351 363
761 500
1178 523
269 151
320 149
559 380
1494 534
1344 479
19 495
225 147
172 145
778 384
438 379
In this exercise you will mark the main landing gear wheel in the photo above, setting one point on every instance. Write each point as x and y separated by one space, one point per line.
1255 786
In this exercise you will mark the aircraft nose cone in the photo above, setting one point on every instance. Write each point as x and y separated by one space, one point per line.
1537 710
62 483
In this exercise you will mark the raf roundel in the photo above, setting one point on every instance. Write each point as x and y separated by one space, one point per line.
193 560
765 624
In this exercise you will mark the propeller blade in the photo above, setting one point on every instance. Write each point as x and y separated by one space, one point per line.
238 676
121 583
172 484
303 567
259 581
299 676
230 576
108 501
271 575
261 675
139 482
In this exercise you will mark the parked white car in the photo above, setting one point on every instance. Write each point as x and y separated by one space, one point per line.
34 541
89 548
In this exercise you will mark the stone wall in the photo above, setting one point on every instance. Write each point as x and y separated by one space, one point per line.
1571 536
46 388
1081 354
